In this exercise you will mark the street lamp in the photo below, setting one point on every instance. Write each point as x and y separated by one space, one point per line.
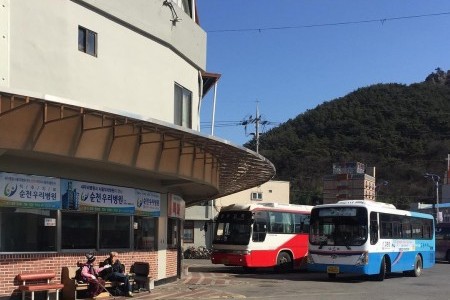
379 185
435 179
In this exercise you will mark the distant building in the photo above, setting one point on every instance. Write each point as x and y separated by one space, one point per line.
199 219
350 180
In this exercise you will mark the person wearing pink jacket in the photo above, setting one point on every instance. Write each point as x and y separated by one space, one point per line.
90 275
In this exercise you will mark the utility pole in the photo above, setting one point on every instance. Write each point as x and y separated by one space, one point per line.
435 178
257 120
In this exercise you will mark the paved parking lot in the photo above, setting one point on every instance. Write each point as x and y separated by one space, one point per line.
207 281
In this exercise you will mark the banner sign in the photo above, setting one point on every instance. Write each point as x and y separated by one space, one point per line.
176 206
92 197
29 191
39 192
148 203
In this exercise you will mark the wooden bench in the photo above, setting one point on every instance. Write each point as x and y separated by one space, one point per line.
73 286
37 282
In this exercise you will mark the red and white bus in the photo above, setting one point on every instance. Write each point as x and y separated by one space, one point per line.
443 242
262 235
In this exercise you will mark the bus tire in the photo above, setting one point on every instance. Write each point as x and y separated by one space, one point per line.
380 276
284 262
447 256
418 265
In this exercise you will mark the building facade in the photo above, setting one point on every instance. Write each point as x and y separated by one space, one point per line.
100 146
199 223
349 181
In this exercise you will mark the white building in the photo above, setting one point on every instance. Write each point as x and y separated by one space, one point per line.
99 110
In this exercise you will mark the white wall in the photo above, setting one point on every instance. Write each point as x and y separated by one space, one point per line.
272 191
132 73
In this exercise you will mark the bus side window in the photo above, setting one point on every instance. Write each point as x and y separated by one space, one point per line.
301 223
373 228
260 227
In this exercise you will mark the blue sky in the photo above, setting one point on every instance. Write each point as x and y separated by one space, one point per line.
289 71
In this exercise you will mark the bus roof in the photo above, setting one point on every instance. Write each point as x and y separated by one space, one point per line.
368 203
267 206
378 206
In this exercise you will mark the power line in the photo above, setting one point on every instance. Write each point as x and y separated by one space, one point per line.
381 21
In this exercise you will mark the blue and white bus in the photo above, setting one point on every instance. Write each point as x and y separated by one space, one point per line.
369 238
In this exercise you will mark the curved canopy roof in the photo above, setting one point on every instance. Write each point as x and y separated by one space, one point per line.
61 138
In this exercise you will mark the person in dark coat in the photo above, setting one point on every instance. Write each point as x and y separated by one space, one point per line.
117 273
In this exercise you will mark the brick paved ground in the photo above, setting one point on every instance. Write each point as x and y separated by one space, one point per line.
193 285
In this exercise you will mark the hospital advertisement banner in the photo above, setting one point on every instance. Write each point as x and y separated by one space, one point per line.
176 206
29 191
92 197
148 203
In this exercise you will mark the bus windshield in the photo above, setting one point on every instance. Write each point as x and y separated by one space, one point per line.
233 228
338 226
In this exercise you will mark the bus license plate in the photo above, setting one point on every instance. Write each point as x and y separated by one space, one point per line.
332 269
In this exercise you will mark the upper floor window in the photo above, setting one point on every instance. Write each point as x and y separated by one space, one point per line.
256 196
185 5
87 41
183 106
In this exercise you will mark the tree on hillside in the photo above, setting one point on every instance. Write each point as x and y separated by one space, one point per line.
403 131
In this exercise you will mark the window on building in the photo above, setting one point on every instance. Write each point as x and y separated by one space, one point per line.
145 237
114 232
183 107
78 231
256 196
24 230
87 41
188 232
186 6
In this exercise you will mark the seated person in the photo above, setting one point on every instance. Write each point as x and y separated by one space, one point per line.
116 273
89 273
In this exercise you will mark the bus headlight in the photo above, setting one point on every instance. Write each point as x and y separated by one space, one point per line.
363 259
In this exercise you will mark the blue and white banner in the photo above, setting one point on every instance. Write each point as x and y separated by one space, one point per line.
29 191
92 197
39 192
148 203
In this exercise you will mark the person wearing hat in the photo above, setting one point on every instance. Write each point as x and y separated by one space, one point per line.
117 273
90 275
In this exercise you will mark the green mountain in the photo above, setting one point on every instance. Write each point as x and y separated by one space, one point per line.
402 130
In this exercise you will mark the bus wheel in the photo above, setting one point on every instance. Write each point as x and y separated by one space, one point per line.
331 276
417 267
284 262
382 274
447 256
